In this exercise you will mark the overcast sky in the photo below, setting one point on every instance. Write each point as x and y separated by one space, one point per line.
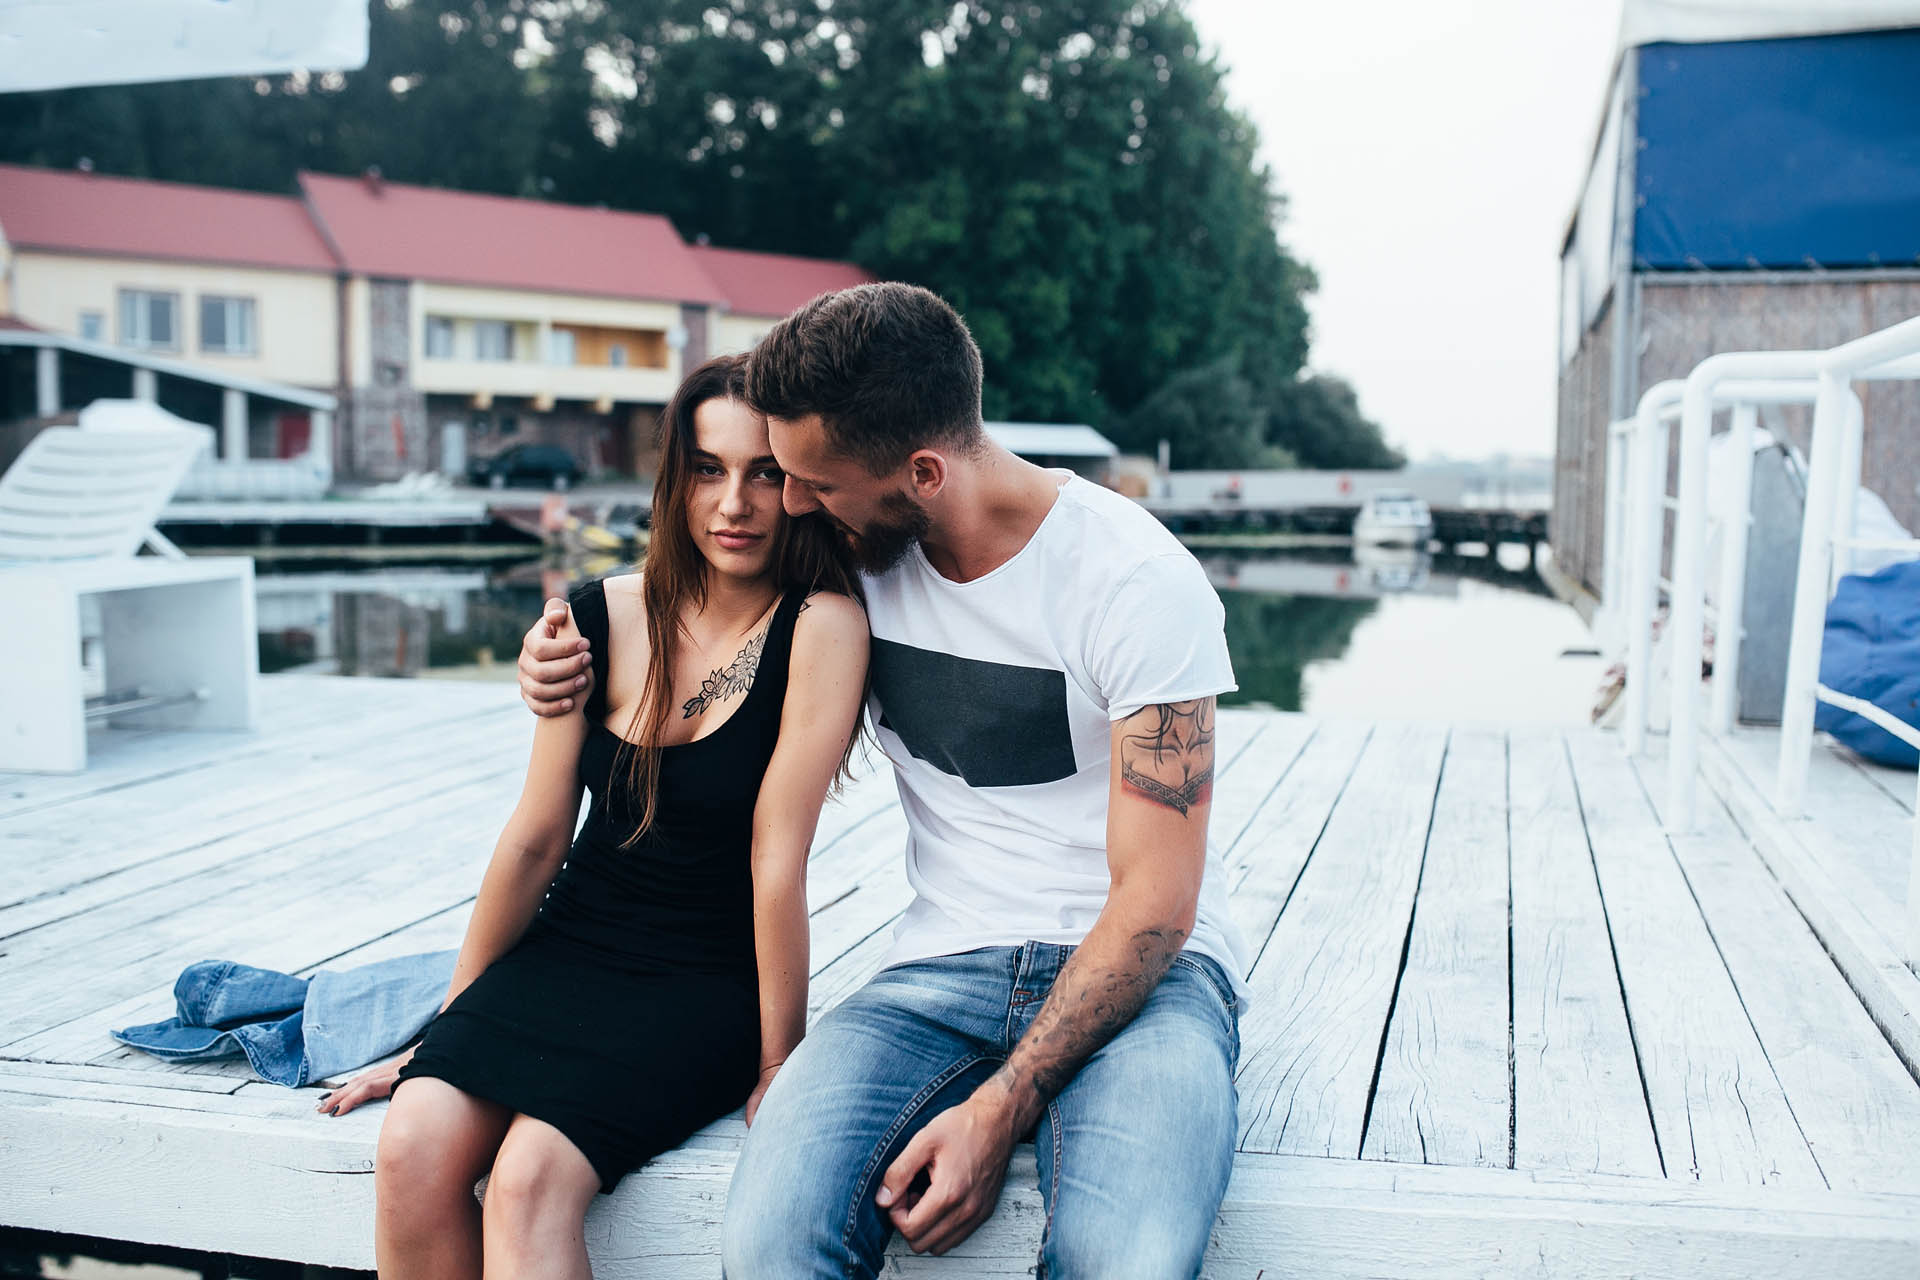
1431 152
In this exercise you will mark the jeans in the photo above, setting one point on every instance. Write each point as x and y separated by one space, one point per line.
1134 1153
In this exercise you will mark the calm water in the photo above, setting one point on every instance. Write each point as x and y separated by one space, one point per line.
1394 636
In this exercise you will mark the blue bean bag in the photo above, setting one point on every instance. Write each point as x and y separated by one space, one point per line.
1872 651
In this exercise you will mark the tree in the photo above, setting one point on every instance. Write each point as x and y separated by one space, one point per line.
1318 420
1069 175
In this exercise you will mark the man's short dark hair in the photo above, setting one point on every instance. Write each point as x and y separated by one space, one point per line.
890 368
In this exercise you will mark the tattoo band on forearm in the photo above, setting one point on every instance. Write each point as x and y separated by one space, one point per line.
1166 754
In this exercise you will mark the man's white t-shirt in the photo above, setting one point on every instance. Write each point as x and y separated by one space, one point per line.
994 699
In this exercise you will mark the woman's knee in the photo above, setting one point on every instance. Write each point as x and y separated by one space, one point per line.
539 1180
432 1149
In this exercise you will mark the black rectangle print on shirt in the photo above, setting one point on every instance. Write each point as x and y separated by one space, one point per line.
988 723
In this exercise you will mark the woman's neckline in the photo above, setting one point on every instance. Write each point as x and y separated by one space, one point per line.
779 601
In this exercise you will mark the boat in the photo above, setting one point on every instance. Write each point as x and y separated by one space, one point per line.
1393 517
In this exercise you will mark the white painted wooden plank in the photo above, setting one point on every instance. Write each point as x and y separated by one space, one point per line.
1853 827
1322 988
1578 1101
1248 777
1856 1104
109 1075
302 872
1873 966
298 1189
1443 1095
289 705
1719 1112
158 853
1264 862
276 926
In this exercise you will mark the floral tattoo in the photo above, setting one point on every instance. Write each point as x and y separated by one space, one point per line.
734 678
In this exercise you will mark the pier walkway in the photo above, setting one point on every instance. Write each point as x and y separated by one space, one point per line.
1500 1023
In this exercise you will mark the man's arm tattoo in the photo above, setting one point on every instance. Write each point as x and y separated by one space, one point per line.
1166 754
1085 1010
736 677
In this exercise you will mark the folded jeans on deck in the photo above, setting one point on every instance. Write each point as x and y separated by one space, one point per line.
293 1030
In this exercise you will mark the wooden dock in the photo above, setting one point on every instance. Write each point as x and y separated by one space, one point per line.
1500 1024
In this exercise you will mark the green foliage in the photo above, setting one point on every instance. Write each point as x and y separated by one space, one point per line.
1274 638
1070 175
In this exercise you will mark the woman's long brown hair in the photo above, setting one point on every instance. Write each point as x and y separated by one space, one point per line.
806 553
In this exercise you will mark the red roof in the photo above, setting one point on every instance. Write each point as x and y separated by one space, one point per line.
15 322
65 209
772 284
457 237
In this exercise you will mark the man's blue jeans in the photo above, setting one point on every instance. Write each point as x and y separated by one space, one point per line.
1134 1153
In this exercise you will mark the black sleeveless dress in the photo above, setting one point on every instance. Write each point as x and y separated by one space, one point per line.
628 1015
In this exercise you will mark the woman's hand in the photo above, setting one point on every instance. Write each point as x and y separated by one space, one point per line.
760 1089
371 1085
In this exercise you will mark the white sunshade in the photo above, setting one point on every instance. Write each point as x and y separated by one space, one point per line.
1059 440
1697 21
58 44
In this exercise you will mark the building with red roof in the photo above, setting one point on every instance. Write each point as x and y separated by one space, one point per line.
450 325
762 288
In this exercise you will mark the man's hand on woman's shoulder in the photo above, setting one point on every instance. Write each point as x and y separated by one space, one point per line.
553 671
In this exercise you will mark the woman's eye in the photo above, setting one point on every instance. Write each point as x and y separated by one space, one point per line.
707 469
773 474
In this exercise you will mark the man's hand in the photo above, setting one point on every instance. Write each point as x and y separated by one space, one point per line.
553 671
947 1181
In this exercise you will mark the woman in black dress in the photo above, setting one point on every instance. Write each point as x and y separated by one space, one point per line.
621 989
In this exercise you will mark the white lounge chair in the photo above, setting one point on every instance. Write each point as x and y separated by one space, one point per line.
177 634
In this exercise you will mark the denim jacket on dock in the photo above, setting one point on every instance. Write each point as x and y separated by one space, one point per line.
295 1030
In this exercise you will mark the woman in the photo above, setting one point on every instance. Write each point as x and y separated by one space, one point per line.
602 1011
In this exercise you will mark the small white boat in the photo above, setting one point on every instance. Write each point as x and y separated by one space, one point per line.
1393 517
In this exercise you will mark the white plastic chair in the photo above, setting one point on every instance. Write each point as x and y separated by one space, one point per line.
177 634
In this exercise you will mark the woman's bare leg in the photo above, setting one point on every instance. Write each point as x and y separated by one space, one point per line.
434 1144
537 1202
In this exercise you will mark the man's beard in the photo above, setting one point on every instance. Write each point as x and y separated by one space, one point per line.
885 541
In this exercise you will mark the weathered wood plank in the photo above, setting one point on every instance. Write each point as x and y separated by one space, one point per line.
1838 909
1855 1103
1578 1101
181 862
205 1182
289 705
1718 1110
1264 862
1443 1095
1322 988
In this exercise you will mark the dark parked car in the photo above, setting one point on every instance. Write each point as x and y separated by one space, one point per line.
542 464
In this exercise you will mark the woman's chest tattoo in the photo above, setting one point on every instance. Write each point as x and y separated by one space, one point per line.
729 681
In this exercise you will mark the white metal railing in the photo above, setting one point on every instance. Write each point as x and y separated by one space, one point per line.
1741 381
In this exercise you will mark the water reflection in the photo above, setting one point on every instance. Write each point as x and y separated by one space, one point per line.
1327 632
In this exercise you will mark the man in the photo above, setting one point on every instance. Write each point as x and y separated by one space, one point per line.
1045 661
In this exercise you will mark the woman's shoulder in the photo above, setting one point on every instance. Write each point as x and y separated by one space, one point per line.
830 615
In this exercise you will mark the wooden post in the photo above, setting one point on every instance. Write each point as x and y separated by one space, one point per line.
46 381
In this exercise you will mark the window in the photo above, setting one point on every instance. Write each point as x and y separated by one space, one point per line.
509 424
439 338
226 325
560 348
492 340
617 354
148 319
93 326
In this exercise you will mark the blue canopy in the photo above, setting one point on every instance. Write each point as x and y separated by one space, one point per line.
1783 153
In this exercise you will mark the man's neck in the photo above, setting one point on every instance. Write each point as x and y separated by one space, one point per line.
991 508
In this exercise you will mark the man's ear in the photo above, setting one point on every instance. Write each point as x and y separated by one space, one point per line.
926 474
